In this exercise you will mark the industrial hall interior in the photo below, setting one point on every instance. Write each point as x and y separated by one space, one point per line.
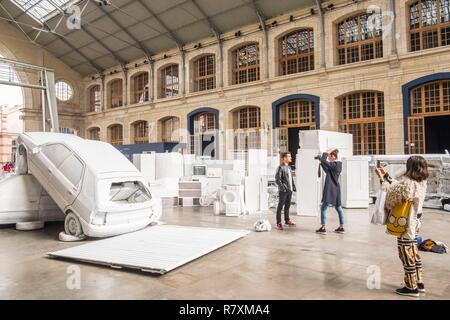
239 149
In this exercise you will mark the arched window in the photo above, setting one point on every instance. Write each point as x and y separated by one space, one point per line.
203 140
362 115
115 93
116 134
298 113
246 125
95 99
246 63
360 38
94 134
296 52
169 127
429 117
205 73
140 88
170 82
204 122
429 24
140 132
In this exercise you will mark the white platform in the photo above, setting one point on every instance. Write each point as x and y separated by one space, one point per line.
157 249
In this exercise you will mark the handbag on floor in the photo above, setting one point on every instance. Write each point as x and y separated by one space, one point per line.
398 219
379 215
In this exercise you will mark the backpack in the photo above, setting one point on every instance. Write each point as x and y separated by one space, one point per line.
397 221
433 246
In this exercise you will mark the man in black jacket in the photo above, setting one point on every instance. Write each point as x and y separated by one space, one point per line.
286 186
331 190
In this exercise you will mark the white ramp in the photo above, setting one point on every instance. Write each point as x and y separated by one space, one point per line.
157 249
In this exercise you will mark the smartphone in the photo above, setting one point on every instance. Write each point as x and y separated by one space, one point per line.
378 164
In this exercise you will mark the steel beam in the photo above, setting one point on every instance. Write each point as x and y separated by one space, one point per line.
171 34
144 49
92 63
121 61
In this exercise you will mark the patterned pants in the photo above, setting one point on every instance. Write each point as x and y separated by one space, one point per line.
412 263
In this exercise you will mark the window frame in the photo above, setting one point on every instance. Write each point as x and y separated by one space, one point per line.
171 71
174 124
422 29
115 96
114 137
141 87
246 135
286 59
346 122
200 77
141 132
68 91
95 105
248 69
91 131
376 40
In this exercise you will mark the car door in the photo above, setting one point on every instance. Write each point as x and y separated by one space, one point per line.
67 180
50 159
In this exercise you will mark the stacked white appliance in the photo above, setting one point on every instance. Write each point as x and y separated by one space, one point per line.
309 185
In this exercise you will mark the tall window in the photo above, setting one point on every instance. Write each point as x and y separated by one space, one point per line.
140 88
95 99
170 82
429 99
246 125
296 52
116 134
360 38
246 64
116 93
362 115
204 73
203 140
168 127
429 24
140 129
94 134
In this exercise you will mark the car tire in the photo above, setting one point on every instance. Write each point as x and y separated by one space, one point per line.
72 225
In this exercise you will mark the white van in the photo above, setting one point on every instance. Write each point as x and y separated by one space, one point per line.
100 192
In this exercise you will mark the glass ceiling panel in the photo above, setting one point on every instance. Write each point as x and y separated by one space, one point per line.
43 10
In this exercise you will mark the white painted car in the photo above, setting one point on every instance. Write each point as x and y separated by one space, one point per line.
100 192
22 199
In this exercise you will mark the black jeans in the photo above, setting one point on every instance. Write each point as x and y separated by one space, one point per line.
284 201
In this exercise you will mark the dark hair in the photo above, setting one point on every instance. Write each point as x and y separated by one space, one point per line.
284 154
335 153
417 168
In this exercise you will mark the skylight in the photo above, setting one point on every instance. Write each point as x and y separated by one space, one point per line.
43 10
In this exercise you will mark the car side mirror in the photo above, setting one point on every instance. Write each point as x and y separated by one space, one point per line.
35 150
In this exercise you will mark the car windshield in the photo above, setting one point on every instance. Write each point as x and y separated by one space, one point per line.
128 191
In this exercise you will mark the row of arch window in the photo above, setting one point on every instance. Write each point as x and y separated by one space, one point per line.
361 114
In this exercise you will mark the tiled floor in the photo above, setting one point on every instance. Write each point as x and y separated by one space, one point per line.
293 264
